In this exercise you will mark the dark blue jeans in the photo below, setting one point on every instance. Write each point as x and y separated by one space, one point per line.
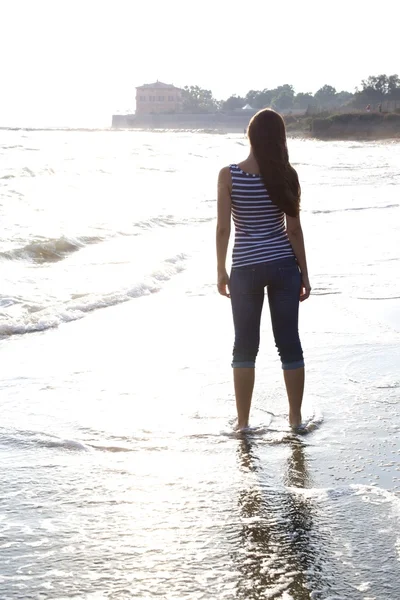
247 289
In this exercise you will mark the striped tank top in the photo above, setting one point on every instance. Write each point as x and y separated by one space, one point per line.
260 232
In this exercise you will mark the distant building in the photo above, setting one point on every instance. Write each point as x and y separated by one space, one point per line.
158 98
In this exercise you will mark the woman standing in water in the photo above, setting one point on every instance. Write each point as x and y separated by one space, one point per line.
262 194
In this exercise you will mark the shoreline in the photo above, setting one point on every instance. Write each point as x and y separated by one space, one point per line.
335 126
299 133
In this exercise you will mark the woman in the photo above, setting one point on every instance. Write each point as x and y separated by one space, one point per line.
262 194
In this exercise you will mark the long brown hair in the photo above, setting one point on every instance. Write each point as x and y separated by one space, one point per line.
267 136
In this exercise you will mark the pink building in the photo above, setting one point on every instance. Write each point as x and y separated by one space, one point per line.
158 98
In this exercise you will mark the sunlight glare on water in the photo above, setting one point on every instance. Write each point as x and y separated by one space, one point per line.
121 473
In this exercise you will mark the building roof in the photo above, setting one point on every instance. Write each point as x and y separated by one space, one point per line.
157 84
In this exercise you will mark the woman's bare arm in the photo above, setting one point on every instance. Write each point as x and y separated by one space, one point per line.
295 235
223 227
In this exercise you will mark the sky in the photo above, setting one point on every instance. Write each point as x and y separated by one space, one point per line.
76 62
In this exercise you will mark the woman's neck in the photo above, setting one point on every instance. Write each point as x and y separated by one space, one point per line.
250 165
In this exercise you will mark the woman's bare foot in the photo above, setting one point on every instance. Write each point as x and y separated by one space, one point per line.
240 427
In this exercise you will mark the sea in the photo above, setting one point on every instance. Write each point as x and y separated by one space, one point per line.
121 475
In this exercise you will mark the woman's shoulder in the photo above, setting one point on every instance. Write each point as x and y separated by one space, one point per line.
225 176
225 172
231 168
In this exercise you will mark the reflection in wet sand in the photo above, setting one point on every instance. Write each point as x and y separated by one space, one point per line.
278 550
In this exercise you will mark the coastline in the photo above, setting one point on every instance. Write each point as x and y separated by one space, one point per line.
300 132
342 126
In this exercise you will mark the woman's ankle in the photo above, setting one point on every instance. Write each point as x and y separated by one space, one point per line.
294 418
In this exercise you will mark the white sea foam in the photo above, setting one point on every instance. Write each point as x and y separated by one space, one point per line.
48 250
72 309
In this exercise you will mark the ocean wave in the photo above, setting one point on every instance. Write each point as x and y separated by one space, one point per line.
159 221
85 129
49 250
106 448
170 221
334 210
25 439
377 297
161 170
50 317
321 291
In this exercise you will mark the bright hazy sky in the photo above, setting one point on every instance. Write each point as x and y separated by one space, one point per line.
75 62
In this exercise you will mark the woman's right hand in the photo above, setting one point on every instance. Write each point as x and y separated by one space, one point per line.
305 289
223 283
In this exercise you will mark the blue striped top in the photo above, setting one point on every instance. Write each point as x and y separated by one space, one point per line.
260 232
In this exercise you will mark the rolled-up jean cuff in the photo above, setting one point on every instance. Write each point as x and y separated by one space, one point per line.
243 364
298 364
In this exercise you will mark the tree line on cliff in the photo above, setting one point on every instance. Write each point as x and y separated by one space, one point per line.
373 90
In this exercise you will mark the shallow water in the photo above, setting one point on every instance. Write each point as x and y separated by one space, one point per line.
121 475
